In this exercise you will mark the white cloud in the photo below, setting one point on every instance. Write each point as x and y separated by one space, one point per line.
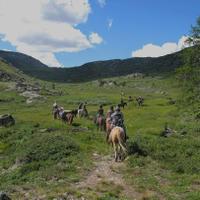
42 28
70 11
110 23
151 50
95 38
102 3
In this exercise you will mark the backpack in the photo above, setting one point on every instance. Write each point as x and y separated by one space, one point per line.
117 120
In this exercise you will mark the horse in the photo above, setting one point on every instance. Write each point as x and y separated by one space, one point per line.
101 124
75 111
82 113
117 139
122 104
55 113
68 116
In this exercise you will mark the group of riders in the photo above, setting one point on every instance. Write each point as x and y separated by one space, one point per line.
114 115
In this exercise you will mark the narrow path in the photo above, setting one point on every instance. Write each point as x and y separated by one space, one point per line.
108 171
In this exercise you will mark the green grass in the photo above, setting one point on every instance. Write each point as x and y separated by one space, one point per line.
49 163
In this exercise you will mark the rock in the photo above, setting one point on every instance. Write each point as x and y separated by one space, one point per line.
4 76
167 132
135 75
4 196
6 120
48 130
31 95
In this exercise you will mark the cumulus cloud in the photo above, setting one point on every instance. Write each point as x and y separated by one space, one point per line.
73 12
42 28
95 38
102 3
152 50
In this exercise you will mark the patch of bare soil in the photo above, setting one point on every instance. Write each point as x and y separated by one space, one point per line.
107 170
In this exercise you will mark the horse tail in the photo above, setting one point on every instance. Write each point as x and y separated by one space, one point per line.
121 144
121 141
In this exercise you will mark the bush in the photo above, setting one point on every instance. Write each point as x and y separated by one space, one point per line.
135 147
48 147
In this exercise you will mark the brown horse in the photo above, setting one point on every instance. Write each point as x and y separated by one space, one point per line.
108 127
68 117
117 139
101 124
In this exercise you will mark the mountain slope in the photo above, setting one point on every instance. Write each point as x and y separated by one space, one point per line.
10 73
93 70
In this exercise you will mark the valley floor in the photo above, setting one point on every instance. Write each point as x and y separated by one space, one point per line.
42 158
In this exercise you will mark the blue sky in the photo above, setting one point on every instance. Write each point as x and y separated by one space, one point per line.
137 28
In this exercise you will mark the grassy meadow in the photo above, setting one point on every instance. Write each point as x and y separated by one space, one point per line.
42 158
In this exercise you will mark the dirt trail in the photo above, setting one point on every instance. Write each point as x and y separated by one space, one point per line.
107 170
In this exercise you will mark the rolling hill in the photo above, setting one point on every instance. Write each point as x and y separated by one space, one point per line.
93 70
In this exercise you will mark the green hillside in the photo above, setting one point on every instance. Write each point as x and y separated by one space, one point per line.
94 70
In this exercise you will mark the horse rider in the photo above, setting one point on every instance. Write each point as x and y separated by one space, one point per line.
110 112
130 98
122 101
140 100
100 113
61 112
80 106
55 105
85 110
117 119
55 110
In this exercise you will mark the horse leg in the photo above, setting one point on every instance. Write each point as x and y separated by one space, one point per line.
102 125
70 120
118 152
115 150
122 148
55 115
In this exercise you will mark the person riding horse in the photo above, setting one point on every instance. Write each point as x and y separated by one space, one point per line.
80 106
55 110
110 112
117 119
130 98
140 100
100 113
55 105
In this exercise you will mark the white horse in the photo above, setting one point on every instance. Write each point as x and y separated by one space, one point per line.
82 113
